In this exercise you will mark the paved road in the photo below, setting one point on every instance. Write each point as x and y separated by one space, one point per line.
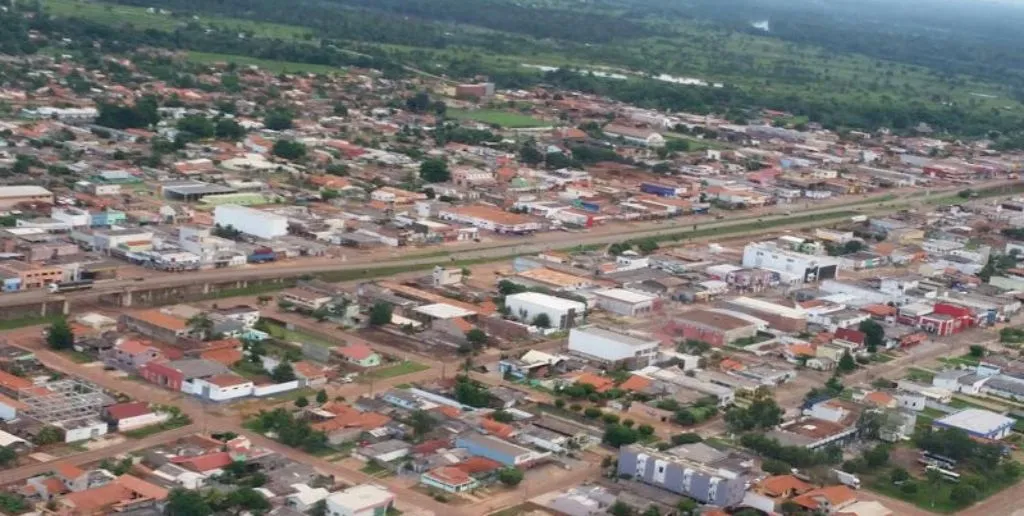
499 249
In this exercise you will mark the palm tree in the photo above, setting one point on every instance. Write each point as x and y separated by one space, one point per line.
201 324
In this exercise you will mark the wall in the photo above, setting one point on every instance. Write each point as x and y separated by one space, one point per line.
152 418
267 390
86 432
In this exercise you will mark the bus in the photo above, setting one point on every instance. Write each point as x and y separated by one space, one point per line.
951 476
69 286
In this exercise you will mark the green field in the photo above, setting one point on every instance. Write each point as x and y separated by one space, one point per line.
504 119
265 64
141 18
407 367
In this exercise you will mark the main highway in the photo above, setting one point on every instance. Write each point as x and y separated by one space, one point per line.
504 247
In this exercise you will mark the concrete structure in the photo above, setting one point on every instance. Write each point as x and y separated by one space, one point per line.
612 348
252 222
449 479
978 423
361 500
562 313
706 484
626 302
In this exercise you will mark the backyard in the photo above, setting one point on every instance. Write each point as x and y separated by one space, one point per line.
504 119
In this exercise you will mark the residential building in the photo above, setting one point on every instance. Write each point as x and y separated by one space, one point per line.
781 317
706 484
491 219
132 415
561 313
612 348
359 354
449 479
157 324
805 267
11 196
257 223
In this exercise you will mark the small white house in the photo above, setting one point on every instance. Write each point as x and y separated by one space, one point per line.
562 313
223 387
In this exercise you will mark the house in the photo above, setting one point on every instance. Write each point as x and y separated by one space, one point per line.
384 451
305 497
125 494
359 354
449 479
612 348
306 299
131 354
309 374
828 500
344 423
782 487
156 324
9 408
361 500
625 302
495 449
128 416
222 387
179 375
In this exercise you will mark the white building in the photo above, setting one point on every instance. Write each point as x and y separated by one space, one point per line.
978 423
82 430
257 223
768 255
611 347
625 302
73 217
563 313
222 387
362 500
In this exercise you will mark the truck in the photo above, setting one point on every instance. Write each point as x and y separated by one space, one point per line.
847 479
859 218
262 255
69 286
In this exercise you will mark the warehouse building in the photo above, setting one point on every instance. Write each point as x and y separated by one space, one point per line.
611 348
711 326
806 267
780 317
978 423
11 196
252 222
629 303
563 313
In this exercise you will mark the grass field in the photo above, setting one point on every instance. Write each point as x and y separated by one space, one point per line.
265 64
141 18
407 367
280 332
504 119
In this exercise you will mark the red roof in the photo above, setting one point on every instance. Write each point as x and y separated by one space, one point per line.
9 381
203 463
121 411
227 380
450 475
430 446
476 465
133 346
497 428
358 351
635 383
854 336
226 356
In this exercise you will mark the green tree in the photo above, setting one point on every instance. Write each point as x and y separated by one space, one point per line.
421 422
899 475
278 120
7 456
963 495
476 337
49 435
471 393
542 320
686 438
619 435
620 509
198 126
874 334
510 476
248 499
60 336
529 154
435 171
321 396
380 314
289 149
201 325
977 350
846 364
302 402
502 417
775 467
186 502
688 507
228 129
283 373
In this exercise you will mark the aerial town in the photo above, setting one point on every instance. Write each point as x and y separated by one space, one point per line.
346 294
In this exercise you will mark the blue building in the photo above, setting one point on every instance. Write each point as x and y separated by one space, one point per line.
11 283
108 218
495 449
978 423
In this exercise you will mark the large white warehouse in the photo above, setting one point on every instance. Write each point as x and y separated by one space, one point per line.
251 222
611 347
562 313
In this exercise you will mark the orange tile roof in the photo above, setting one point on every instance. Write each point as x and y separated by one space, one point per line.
93 501
450 475
878 398
451 412
635 383
68 471
54 486
497 428
162 320
346 416
463 325
477 464
729 364
13 403
142 487
227 380
14 383
356 351
308 369
600 383
879 310
783 485
226 356
133 346
835 495
802 349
